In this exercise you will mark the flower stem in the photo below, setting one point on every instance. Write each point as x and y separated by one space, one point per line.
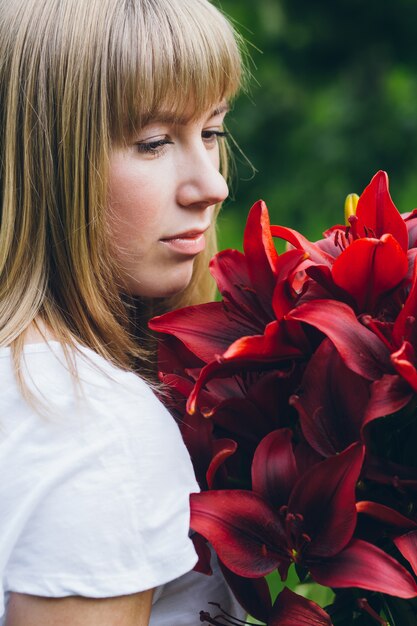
364 605
400 612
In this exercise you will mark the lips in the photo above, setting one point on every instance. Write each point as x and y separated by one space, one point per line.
190 242
189 234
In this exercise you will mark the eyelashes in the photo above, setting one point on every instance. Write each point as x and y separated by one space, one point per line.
152 147
157 147
213 134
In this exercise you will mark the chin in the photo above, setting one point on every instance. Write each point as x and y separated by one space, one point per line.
163 286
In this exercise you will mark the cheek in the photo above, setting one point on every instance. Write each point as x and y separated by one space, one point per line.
130 208
219 153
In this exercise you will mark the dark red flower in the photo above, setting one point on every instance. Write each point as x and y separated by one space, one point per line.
286 381
315 529
363 263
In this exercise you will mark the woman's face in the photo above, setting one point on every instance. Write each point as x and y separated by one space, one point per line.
162 190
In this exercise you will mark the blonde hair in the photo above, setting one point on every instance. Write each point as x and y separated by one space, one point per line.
77 76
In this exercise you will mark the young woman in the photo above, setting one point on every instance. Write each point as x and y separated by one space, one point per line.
111 156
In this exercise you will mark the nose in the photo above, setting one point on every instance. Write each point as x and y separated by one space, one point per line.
201 183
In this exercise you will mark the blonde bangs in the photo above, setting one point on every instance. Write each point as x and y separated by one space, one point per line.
75 77
190 60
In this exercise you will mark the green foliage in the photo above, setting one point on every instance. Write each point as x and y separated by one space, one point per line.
332 100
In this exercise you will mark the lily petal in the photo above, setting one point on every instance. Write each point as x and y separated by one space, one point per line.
385 514
301 243
383 265
388 395
401 330
325 497
322 275
273 345
244 530
290 609
274 469
229 268
197 433
411 222
204 329
331 413
289 262
361 564
360 349
223 448
252 593
404 362
407 545
209 371
377 214
260 251
203 566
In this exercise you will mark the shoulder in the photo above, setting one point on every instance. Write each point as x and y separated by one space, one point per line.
65 379
97 421
51 368
82 399
99 486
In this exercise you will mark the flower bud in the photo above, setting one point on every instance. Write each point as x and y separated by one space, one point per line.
351 203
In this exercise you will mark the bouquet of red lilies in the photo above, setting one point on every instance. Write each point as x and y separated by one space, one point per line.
297 398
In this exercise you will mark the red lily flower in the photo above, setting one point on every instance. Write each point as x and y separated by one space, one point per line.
376 241
315 528
306 351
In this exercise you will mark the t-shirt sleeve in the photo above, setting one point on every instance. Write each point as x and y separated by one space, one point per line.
110 492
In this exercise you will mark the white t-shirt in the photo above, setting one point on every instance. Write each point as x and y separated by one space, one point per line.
94 495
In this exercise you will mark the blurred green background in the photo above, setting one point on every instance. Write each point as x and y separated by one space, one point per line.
332 100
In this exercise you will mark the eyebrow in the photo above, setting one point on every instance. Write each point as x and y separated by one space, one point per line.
166 117
223 108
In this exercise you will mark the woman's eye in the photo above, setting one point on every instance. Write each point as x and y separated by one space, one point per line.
152 147
211 136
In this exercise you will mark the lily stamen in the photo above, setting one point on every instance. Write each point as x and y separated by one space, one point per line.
341 239
226 617
353 227
295 537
